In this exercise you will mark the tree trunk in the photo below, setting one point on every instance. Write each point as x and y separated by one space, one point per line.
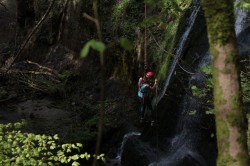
230 124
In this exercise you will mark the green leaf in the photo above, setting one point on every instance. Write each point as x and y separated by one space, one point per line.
79 145
52 147
75 157
75 164
211 111
82 156
50 163
96 45
126 44
68 150
56 137
85 51
207 70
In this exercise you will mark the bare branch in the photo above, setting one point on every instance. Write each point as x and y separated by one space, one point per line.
31 34
89 17
1 4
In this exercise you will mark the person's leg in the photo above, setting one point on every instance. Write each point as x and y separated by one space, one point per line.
142 109
151 111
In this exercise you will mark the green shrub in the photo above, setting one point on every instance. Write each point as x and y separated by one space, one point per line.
21 148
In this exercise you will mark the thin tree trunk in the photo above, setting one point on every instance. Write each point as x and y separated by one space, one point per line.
230 124
30 35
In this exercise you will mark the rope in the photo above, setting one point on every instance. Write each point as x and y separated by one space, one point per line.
145 40
184 69
157 129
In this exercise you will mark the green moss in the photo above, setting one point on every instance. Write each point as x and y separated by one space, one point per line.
120 8
171 31
223 160
220 16
234 119
164 69
218 99
236 104
231 58
222 132
215 53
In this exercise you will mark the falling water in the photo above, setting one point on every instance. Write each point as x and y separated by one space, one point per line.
189 134
241 19
192 138
180 48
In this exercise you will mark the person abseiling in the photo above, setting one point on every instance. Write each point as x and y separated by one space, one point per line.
147 85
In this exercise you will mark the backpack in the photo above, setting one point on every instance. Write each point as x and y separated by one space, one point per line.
144 90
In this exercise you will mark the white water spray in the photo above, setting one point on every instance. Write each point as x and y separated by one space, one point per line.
180 48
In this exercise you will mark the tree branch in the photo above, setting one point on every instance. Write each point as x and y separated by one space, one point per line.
30 35
3 5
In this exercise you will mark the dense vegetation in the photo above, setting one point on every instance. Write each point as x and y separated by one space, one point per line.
59 61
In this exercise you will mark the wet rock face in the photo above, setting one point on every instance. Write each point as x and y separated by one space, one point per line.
194 50
137 153
243 38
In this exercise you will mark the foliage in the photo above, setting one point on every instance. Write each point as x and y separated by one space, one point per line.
126 44
126 18
205 93
245 81
166 21
166 47
120 8
21 148
162 18
169 7
243 4
207 90
96 45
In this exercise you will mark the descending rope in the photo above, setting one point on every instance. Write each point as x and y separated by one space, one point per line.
145 40
191 73
145 70
157 129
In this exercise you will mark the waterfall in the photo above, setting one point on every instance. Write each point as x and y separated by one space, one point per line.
184 146
193 142
179 50
240 19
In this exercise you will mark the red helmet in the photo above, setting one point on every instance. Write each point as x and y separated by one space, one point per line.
150 74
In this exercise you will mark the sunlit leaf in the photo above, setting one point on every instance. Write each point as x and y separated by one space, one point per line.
75 164
94 44
75 157
97 45
85 51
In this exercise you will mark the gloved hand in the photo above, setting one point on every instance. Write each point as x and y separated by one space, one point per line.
156 81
